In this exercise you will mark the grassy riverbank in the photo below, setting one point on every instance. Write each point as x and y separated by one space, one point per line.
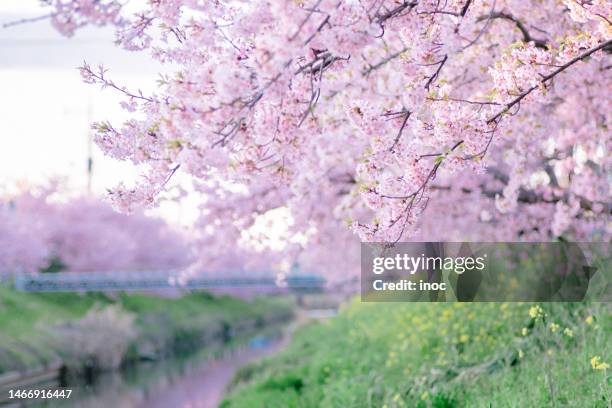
31 324
440 355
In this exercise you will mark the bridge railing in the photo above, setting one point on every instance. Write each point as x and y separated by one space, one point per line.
155 280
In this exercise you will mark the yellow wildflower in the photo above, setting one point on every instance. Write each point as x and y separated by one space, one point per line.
554 327
464 338
521 354
425 395
568 332
597 364
524 331
535 312
589 320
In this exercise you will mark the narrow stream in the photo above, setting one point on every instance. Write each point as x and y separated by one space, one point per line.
203 386
196 380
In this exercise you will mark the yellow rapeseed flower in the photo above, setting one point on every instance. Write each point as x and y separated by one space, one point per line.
535 312
554 327
597 364
568 332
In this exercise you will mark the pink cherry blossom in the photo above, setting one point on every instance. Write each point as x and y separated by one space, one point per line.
84 234
393 119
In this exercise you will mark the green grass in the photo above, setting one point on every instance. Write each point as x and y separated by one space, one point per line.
163 324
438 355
24 318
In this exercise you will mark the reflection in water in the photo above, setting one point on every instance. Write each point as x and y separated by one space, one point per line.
195 381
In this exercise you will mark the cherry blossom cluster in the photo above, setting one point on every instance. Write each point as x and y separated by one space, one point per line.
83 234
70 15
399 119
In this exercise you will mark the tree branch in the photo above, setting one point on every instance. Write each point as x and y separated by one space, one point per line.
519 24
547 78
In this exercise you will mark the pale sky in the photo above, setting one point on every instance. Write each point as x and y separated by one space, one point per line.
46 109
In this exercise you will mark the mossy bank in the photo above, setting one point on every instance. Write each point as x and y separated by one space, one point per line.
96 330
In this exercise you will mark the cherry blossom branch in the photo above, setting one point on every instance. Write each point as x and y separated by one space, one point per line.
526 196
463 101
526 35
437 73
28 20
396 11
318 30
482 30
406 114
91 77
465 8
172 171
327 60
429 177
303 23
381 63
547 78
